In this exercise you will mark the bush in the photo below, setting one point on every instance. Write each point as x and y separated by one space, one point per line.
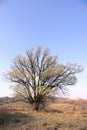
4 115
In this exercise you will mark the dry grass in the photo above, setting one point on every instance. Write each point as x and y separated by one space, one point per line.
59 116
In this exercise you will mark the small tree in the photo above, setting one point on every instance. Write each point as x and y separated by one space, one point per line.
39 74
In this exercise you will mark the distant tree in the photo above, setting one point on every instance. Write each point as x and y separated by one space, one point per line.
38 74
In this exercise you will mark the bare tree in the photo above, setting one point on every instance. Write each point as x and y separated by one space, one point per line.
38 74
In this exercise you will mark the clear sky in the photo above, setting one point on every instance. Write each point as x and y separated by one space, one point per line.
60 25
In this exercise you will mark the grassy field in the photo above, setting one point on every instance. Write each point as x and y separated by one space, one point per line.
60 115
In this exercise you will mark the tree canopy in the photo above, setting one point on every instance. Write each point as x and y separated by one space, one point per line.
38 74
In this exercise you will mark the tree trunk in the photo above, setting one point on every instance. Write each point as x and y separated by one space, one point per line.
38 106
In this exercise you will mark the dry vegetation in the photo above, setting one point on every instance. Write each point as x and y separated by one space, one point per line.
60 115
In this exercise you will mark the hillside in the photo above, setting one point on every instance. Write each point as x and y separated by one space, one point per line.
61 114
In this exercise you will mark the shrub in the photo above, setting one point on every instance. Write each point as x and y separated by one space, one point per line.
4 115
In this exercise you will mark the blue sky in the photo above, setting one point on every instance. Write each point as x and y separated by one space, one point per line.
60 25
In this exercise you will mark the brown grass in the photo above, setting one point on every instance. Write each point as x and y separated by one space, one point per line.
59 116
